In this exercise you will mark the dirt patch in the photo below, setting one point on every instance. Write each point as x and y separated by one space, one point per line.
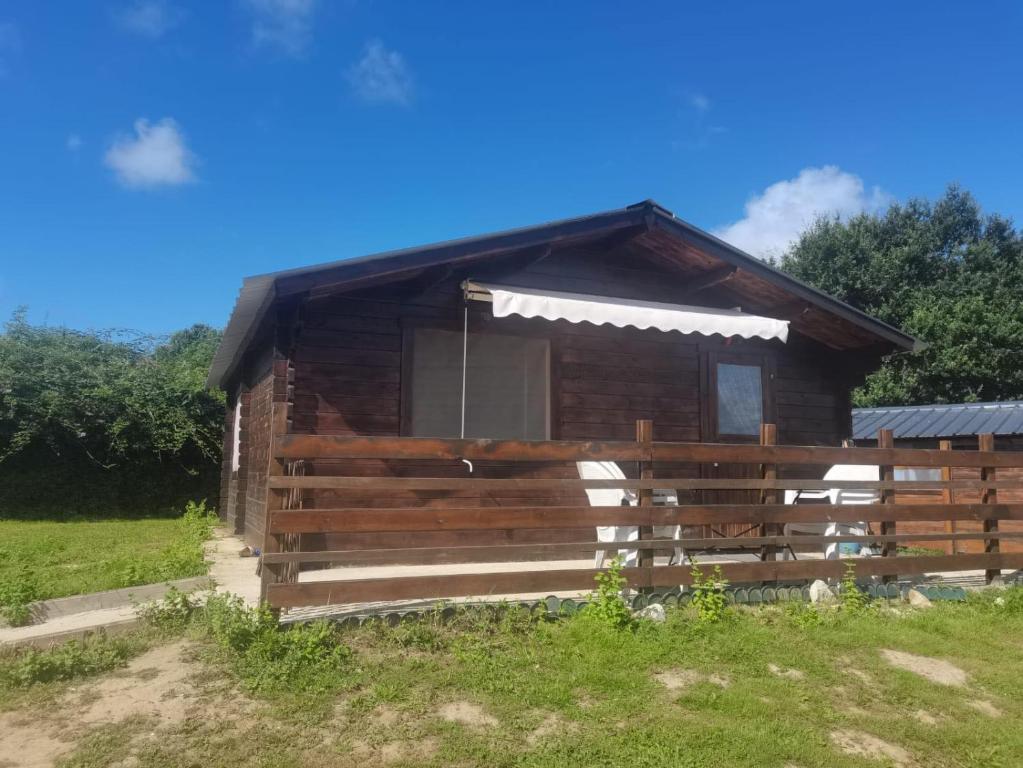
935 670
859 674
871 747
925 717
384 717
985 708
678 680
154 685
395 751
552 725
467 713
788 674
23 738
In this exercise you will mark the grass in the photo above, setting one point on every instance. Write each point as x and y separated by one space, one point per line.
40 560
524 691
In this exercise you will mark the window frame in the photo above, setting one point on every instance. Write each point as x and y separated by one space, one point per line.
478 326
767 415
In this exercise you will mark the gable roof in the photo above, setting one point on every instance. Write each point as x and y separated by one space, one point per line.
952 420
258 293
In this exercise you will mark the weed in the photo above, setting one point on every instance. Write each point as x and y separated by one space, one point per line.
268 658
173 614
607 603
16 595
184 555
423 635
854 600
803 615
709 594
77 658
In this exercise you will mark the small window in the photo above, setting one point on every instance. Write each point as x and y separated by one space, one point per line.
506 386
740 399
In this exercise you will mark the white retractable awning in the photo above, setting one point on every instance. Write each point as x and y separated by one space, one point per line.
581 307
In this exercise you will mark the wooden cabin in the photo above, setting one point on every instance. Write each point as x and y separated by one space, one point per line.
496 336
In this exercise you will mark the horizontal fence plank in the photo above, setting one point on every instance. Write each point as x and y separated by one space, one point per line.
299 446
337 482
483 585
540 551
342 447
360 519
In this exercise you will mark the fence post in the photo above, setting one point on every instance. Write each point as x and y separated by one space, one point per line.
886 439
645 436
768 471
948 496
986 442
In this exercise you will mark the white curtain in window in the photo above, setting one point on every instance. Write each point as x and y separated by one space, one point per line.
506 386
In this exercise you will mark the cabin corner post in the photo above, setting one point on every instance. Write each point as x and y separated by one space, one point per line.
277 498
645 437
768 437
989 495
948 495
886 439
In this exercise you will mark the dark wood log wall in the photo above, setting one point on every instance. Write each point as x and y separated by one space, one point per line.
347 354
256 453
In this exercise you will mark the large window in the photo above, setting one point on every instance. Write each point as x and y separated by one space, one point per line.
506 386
740 399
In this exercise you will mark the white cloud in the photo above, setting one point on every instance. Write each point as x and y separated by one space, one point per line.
699 102
74 142
149 18
381 76
282 24
154 156
776 217
10 45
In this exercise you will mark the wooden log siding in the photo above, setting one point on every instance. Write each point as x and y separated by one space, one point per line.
256 433
460 526
347 352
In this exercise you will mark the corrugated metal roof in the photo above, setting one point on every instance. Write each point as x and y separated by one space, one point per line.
1004 418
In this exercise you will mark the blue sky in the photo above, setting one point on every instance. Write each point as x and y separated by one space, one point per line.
153 152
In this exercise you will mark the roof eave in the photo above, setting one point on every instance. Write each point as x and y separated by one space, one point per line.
737 257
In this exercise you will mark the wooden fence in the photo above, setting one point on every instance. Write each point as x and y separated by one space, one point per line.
290 514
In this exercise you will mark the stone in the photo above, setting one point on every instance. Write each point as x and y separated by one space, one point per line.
653 613
820 592
918 599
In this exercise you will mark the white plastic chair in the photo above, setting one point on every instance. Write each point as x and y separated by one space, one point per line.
835 496
619 497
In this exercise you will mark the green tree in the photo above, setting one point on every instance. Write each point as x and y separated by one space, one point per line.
942 271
